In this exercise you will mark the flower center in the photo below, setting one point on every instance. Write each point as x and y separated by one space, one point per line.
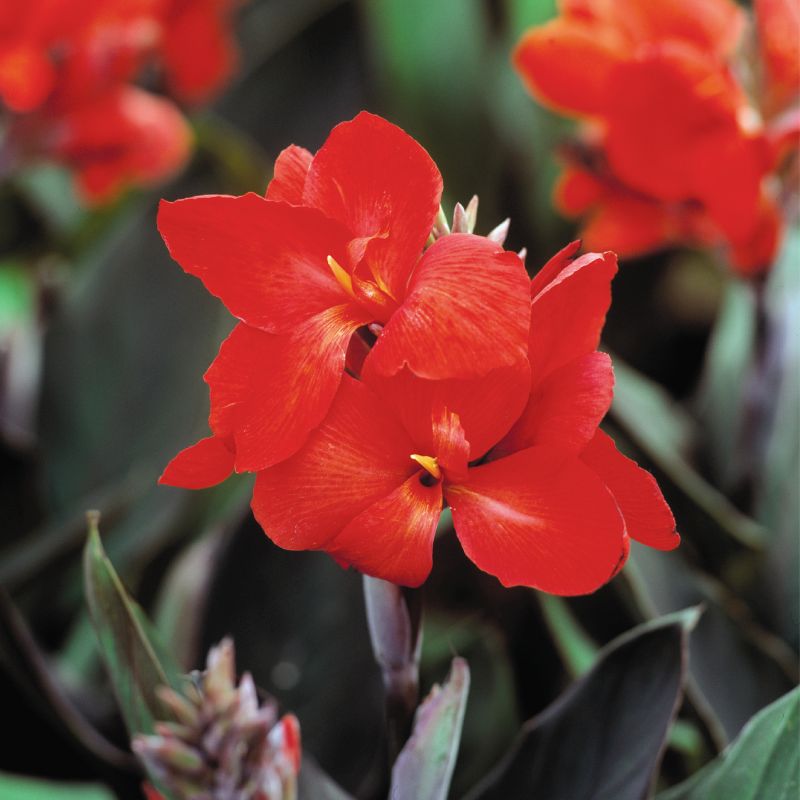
373 296
430 464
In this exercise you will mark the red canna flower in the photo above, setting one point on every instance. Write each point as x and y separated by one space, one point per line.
335 247
539 496
668 120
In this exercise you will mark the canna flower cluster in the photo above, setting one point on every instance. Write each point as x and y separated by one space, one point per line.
690 118
67 93
385 365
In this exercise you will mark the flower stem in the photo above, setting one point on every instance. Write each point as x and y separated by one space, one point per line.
393 617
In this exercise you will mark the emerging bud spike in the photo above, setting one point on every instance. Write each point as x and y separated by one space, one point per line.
498 234
225 746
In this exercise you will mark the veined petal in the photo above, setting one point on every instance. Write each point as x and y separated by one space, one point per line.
565 408
269 391
204 464
357 457
539 518
466 313
487 407
289 176
554 267
568 314
379 183
266 261
393 538
450 446
648 518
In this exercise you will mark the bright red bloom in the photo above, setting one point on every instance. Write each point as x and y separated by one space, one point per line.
335 246
540 497
673 125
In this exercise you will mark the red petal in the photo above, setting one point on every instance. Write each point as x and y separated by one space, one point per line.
358 456
557 264
393 538
266 261
565 408
487 407
567 65
713 26
377 181
539 518
466 313
26 77
631 225
269 391
647 516
568 314
198 49
206 463
121 137
778 24
289 177
449 444
663 147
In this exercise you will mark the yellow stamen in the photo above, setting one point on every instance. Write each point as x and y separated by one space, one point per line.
341 275
428 463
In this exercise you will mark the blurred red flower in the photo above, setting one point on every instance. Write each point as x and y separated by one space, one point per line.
672 136
336 246
67 72
539 496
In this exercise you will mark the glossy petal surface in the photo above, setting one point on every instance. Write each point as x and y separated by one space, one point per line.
268 391
380 184
539 518
568 314
289 178
565 408
357 457
204 464
266 261
466 313
393 538
648 518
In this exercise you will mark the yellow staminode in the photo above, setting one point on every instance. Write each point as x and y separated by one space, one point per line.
341 275
428 463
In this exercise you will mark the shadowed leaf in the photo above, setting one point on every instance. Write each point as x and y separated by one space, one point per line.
614 720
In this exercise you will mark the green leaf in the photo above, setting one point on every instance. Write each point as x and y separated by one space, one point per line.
638 404
577 650
425 765
136 662
604 737
17 787
762 764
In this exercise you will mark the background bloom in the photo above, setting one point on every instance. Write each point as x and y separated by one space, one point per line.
668 118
